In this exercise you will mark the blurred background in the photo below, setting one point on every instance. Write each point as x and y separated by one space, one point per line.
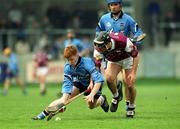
28 25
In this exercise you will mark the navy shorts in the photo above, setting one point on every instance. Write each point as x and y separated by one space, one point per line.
82 88
11 74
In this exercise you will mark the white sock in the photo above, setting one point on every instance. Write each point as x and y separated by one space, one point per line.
115 95
102 99
132 105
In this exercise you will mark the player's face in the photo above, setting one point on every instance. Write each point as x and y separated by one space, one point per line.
103 48
70 35
73 60
115 8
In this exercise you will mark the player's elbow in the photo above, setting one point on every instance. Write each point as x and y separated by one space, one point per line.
134 52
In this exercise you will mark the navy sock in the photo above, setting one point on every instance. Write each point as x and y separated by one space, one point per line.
43 114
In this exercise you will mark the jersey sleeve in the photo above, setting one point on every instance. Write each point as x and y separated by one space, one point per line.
135 29
98 57
100 26
96 76
67 82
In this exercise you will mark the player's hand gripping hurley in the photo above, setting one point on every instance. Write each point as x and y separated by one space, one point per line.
57 109
139 38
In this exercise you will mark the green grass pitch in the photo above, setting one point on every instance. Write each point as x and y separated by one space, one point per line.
157 107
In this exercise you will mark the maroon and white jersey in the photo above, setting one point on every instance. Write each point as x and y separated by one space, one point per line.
122 48
41 58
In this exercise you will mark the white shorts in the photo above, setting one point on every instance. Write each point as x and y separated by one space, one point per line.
125 64
41 71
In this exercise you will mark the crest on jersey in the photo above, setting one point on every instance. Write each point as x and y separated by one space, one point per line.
122 26
108 24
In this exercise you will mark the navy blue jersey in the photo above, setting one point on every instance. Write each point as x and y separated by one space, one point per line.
84 71
124 24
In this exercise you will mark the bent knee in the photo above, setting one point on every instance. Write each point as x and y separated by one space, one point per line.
129 84
110 78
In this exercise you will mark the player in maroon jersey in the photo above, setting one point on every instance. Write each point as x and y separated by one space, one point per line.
41 68
119 52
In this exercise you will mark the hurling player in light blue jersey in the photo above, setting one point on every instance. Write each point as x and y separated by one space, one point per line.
80 74
72 40
12 71
118 21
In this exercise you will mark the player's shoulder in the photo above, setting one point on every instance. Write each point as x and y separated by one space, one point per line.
13 55
77 41
126 16
105 16
86 59
67 67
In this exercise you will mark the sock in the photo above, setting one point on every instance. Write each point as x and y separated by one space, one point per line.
131 105
115 95
102 99
43 114
127 102
46 113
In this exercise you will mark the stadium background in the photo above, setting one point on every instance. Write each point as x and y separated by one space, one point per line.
52 17
158 82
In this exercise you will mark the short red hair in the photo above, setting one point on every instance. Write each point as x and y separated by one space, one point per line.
70 51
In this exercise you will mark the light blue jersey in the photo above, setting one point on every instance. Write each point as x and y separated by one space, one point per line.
13 64
84 71
124 24
76 42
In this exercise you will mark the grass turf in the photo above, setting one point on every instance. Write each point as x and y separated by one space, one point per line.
158 107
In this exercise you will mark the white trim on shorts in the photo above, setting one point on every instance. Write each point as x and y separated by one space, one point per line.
125 64
41 71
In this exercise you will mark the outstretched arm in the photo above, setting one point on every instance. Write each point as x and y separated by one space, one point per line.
53 106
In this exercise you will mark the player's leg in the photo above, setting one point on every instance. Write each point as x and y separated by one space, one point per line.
42 73
61 106
53 106
129 80
112 78
56 103
130 63
7 82
21 84
111 73
130 85
42 84
126 91
6 86
65 97
75 92
99 100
